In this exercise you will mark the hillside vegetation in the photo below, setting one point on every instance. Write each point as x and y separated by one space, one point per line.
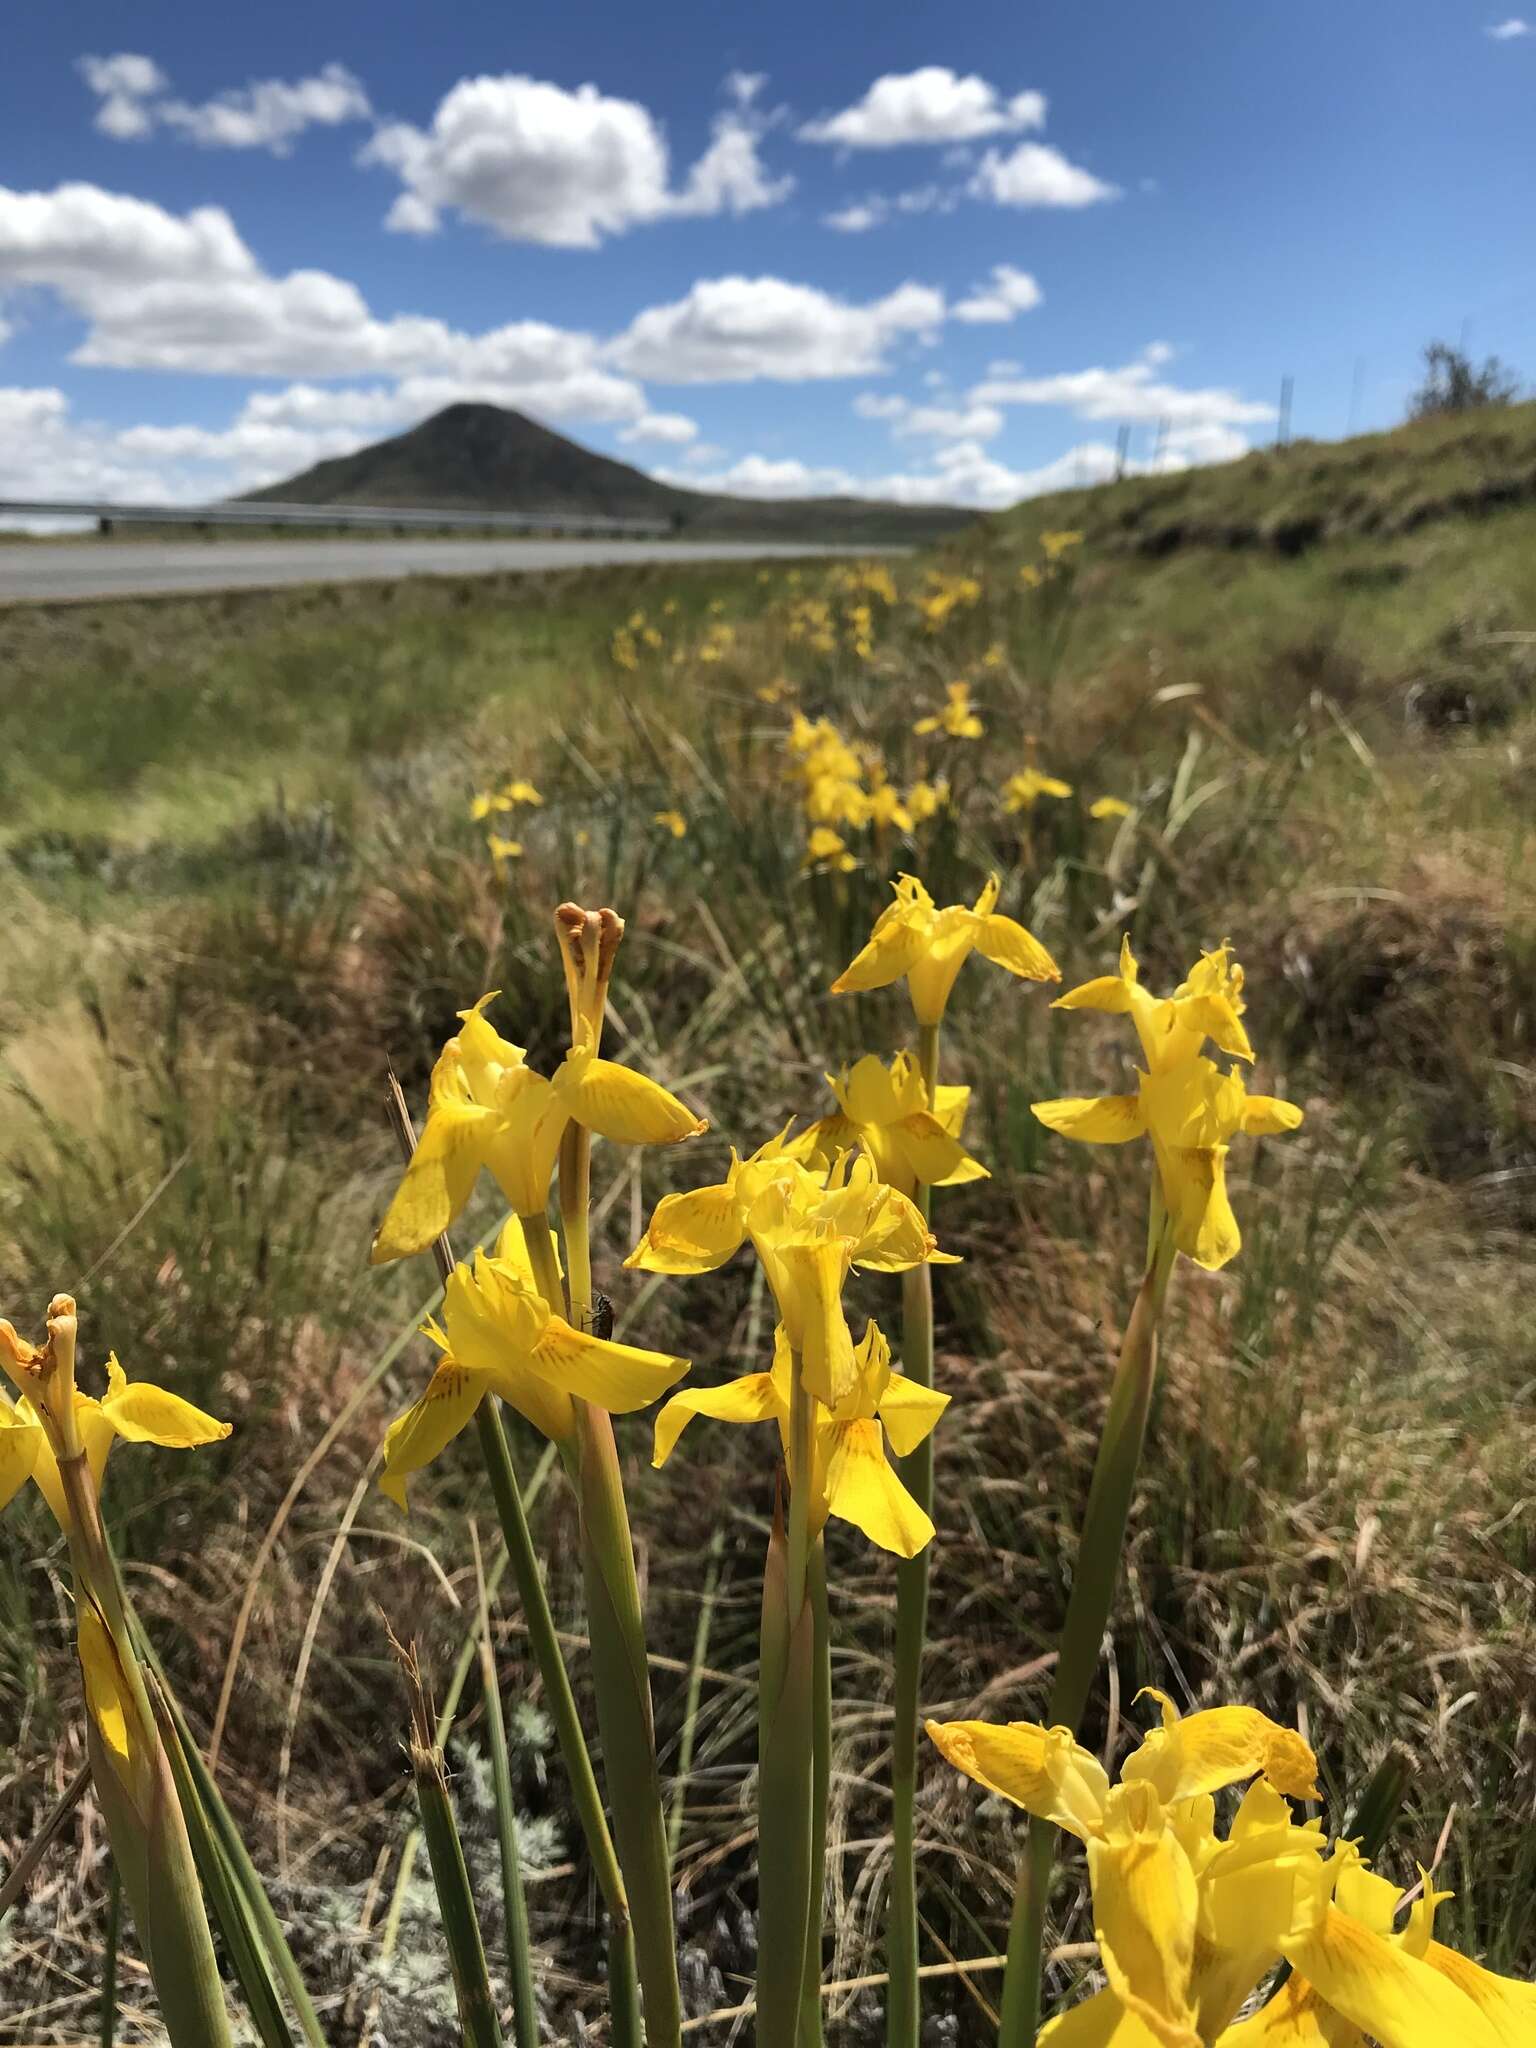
473 458
239 871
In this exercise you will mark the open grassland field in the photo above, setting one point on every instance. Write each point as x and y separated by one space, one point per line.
239 873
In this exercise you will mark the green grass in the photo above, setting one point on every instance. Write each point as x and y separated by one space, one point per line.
238 873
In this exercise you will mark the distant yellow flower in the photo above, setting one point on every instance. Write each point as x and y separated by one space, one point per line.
885 1109
776 691
957 718
853 1478
673 821
487 802
825 848
993 658
488 1109
1023 791
1030 576
502 850
1057 544
886 808
924 799
1109 807
500 1336
912 937
622 647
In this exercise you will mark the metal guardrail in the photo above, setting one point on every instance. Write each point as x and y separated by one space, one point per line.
350 518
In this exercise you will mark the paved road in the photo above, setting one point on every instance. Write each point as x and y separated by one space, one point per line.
42 570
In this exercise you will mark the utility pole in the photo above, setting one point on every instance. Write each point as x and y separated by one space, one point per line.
1287 388
1161 444
1122 450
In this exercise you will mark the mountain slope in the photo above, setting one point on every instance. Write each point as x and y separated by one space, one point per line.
473 457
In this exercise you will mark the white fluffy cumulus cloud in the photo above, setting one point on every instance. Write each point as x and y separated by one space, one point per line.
1134 393
1034 174
733 329
930 105
135 99
535 162
182 292
1008 292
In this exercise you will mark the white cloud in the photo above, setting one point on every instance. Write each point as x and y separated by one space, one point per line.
673 427
744 86
536 163
930 105
879 405
1129 393
857 219
268 114
731 329
930 422
1034 174
168 291
762 476
1010 292
1508 31
123 83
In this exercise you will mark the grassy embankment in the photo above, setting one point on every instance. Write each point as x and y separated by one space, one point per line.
238 871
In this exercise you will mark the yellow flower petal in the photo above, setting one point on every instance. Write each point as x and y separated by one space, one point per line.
1041 1769
437 1182
935 1158
1094 1119
1097 2022
415 1438
1266 1116
1294 2018
105 1689
1389 1995
862 1488
1507 2002
808 1285
620 1104
145 1414
618 1377
890 953
752 1398
21 1439
1220 1746
692 1232
1145 1905
910 1412
1109 807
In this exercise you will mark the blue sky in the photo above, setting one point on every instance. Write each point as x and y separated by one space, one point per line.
930 254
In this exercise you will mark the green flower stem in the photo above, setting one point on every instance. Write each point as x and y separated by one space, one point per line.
137 1796
821 1786
786 1740
1082 1635
902 2011
621 1681
514 1902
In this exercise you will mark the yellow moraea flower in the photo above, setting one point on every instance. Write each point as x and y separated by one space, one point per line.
929 946
776 691
957 718
808 1229
1057 544
826 848
672 821
487 1109
885 1109
1030 576
924 799
1191 1112
134 1410
1110 807
503 850
1186 1923
488 802
1023 791
886 808
521 791
500 1336
1398 1984
1208 1004
853 1477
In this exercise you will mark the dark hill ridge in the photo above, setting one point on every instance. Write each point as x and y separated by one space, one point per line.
484 458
